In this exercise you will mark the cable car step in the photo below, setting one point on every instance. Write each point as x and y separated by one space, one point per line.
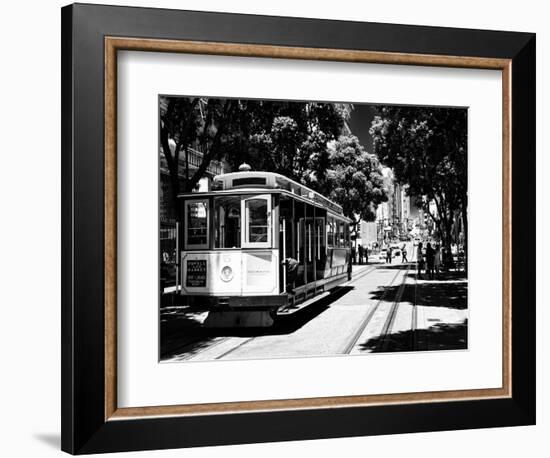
238 319
290 309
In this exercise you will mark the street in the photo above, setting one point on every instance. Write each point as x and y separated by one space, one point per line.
383 308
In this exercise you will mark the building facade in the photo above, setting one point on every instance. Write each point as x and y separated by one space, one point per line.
393 218
189 162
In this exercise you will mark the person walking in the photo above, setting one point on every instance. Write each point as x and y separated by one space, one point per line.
430 256
404 254
360 252
419 260
388 255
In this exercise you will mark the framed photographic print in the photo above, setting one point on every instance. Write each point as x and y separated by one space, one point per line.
270 222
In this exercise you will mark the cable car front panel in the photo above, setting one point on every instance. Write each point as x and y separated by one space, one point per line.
229 257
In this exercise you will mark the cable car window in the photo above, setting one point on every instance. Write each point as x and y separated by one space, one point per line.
346 235
196 223
227 221
249 181
341 242
319 237
258 228
330 232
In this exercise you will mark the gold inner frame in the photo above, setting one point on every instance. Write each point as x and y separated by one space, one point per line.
114 44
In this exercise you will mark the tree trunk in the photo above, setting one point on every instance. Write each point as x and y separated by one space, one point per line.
173 171
444 226
213 150
448 241
174 186
465 228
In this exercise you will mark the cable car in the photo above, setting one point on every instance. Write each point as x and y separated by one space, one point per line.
258 243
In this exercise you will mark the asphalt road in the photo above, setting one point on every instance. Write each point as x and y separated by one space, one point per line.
384 308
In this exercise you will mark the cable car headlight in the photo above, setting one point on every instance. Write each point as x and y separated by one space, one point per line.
227 273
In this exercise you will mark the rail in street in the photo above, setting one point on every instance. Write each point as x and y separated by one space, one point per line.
366 321
383 308
204 348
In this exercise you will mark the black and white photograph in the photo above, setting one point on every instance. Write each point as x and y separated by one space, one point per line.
261 229
310 228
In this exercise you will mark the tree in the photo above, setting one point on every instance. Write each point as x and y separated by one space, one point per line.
290 138
276 148
427 149
355 180
279 136
193 121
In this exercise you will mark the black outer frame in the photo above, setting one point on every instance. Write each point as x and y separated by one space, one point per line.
84 429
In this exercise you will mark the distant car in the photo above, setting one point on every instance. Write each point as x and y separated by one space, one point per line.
416 242
382 254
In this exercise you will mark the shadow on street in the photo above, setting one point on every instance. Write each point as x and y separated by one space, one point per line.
449 290
436 337
181 332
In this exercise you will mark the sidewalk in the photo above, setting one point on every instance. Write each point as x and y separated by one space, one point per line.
427 315
442 312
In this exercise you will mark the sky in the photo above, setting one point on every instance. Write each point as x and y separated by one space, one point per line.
360 121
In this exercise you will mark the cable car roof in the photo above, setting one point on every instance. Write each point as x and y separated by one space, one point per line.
268 180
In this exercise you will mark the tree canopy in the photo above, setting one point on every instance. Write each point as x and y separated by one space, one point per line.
290 138
283 137
355 180
427 149
193 121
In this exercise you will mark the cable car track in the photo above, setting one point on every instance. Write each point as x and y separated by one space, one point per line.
390 319
352 342
359 275
240 344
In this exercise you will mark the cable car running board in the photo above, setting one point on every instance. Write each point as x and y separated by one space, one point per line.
238 319
290 309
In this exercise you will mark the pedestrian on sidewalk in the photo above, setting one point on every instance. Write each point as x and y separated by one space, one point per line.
360 251
404 254
388 255
430 257
419 260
